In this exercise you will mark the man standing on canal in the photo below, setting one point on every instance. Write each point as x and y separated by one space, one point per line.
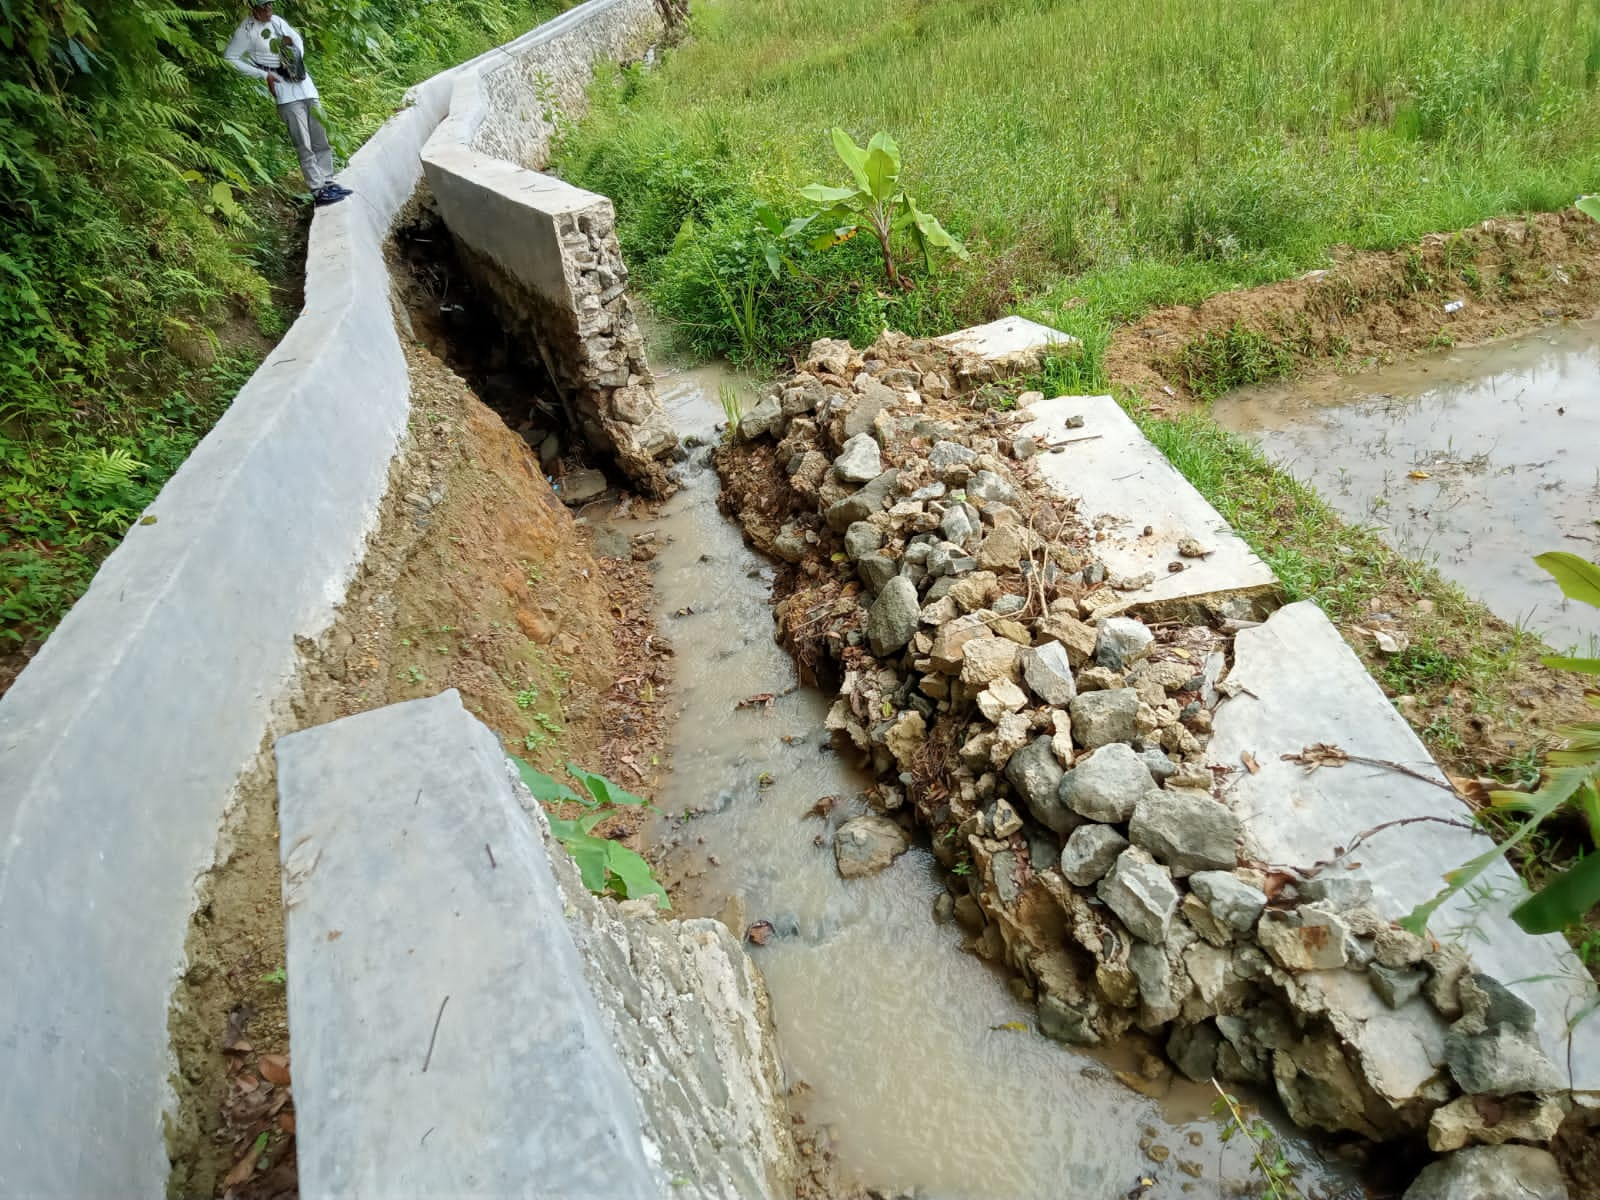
268 48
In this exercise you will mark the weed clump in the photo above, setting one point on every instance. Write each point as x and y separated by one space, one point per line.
1216 362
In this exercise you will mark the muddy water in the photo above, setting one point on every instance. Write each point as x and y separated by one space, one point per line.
1474 460
930 1076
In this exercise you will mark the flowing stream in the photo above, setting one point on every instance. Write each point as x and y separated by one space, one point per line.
930 1078
1475 460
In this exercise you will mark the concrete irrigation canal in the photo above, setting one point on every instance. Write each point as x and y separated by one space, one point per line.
1022 842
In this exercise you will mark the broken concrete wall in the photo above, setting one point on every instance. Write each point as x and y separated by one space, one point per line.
547 251
1145 852
466 1015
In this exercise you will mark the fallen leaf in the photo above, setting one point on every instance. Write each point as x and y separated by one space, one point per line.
822 807
760 932
1419 474
1322 754
275 1068
234 1039
761 699
286 1122
1250 763
1011 1027
335 934
242 1170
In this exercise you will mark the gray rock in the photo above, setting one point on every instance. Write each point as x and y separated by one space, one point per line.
1141 892
944 908
1043 853
1059 1020
969 914
1048 674
1107 785
1230 899
1121 642
1008 606
1161 767
1491 1173
986 485
1394 947
1499 1063
1187 830
1518 1118
1489 1004
861 539
861 460
1099 718
876 570
1396 987
892 619
956 525
1193 1050
866 845
582 486
1089 853
765 417
934 491
871 398
1336 890
1303 940
861 504
1003 820
1035 774
949 454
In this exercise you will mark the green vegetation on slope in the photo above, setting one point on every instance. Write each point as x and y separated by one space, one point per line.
145 198
1098 157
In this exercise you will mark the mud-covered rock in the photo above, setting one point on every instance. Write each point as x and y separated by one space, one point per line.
1303 940
866 845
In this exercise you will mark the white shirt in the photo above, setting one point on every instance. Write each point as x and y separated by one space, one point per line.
250 53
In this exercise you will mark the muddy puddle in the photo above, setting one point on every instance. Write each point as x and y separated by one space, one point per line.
930 1079
1473 460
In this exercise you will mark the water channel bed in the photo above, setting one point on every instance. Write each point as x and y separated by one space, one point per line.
930 1077
1474 460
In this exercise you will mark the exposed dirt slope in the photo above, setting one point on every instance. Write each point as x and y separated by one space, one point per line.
477 579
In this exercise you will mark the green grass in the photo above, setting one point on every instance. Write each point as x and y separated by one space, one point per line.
1099 157
147 199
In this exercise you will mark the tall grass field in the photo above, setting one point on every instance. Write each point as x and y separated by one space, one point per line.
1099 157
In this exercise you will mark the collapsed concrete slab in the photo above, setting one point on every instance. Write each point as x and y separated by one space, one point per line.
468 1020
1296 684
1008 340
1142 509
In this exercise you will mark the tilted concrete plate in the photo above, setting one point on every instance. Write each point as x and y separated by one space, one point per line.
1007 338
1296 683
1123 486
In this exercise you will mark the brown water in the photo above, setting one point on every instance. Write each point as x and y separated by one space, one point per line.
897 1033
1474 460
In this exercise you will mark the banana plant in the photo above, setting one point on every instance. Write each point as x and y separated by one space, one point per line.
877 203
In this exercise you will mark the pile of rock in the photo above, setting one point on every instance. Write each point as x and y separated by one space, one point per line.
1056 746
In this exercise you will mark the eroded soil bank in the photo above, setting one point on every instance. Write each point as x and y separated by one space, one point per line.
477 579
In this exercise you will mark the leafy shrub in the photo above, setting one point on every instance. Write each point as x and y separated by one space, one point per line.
606 867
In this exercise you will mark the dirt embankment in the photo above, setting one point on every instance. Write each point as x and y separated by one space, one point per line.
1370 307
477 579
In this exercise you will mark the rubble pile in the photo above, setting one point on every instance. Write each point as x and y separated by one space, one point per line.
1053 745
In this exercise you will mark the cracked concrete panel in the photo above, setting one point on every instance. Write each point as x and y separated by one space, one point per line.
1296 683
1124 486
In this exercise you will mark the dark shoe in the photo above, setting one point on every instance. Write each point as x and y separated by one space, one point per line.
326 196
340 188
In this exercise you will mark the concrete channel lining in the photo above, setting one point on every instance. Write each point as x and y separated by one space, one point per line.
445 1040
1125 486
1296 683
122 742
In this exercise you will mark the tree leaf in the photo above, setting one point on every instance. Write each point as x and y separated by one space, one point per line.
1579 579
633 875
1563 901
882 167
821 193
603 790
590 854
545 789
1586 666
1560 786
1590 205
853 156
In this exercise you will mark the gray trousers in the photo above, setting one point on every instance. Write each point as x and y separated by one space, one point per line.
310 142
